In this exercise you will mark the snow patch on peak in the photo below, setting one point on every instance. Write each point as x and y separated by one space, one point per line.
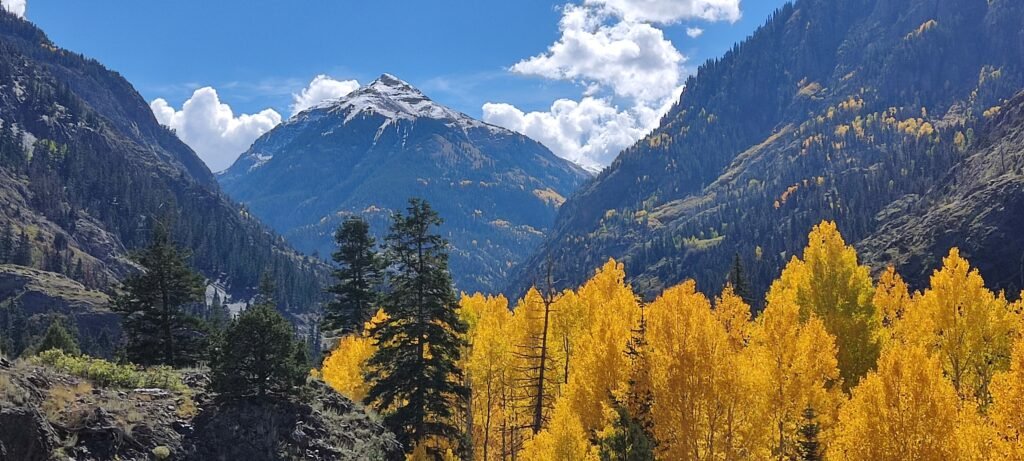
394 99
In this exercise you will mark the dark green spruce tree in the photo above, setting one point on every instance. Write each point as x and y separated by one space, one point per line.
22 251
157 326
738 279
358 277
58 337
632 438
414 377
258 353
808 446
7 246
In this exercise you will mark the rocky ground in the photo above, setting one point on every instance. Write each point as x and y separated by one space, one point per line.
50 415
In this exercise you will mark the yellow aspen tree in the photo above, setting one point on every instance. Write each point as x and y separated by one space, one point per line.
839 291
345 366
486 363
569 321
600 362
734 315
892 298
905 410
565 439
700 400
966 325
798 362
1007 410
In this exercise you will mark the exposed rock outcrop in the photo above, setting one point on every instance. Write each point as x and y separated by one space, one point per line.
46 414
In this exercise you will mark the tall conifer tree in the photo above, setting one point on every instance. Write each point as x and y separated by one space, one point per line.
738 279
358 277
158 328
414 376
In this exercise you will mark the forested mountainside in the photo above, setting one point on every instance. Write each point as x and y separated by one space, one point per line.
848 110
86 172
367 153
981 198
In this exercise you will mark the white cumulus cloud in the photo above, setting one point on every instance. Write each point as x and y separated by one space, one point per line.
634 60
589 132
15 6
322 88
212 129
672 11
628 72
694 32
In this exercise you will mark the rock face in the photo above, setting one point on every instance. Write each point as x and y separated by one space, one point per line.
40 294
26 436
978 207
332 428
845 110
46 414
367 153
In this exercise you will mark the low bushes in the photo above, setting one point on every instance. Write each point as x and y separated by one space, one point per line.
107 374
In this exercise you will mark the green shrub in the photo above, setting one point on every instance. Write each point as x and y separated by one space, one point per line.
162 452
107 374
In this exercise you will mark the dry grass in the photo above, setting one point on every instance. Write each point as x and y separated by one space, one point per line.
187 409
60 400
9 392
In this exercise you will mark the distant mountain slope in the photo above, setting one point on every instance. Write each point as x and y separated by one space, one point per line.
368 152
86 170
834 109
978 206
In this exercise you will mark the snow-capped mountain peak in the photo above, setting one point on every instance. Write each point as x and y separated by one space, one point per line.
394 99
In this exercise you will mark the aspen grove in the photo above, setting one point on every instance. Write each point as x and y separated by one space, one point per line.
839 366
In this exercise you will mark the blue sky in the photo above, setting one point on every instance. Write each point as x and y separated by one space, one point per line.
258 55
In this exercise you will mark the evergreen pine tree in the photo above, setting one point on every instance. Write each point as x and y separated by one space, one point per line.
629 441
358 277
218 316
7 246
738 279
808 446
414 376
58 337
633 436
157 326
258 354
22 251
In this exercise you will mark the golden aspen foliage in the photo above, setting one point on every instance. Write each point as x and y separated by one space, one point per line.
797 361
906 410
892 297
570 319
487 365
734 315
974 436
345 367
893 300
610 310
565 439
829 283
966 325
705 407
1007 410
